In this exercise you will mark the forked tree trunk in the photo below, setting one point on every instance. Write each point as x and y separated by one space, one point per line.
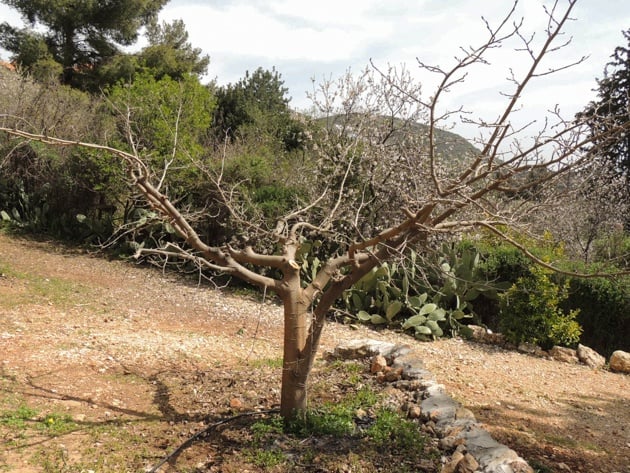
296 363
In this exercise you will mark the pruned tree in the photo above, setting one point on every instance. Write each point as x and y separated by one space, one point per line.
590 216
365 137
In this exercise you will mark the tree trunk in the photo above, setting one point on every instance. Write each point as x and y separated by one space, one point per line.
295 367
68 55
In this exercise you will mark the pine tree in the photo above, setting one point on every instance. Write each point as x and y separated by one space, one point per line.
258 102
77 34
169 52
612 109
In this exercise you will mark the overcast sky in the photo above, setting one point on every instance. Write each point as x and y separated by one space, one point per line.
307 40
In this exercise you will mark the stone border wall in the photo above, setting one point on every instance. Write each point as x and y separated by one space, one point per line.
471 449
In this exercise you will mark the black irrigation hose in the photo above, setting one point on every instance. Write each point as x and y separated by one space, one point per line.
203 432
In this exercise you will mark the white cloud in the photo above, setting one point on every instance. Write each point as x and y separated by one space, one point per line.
245 30
320 39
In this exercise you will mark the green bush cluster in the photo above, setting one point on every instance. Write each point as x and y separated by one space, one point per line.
492 283
604 305
531 312
394 432
68 195
83 195
550 307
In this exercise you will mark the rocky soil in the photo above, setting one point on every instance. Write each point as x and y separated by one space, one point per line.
110 344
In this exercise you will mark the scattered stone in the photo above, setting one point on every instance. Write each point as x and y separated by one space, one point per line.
478 333
495 338
464 414
563 354
429 428
355 349
451 466
408 385
590 357
450 443
454 431
531 349
468 464
236 403
394 374
620 361
520 466
412 366
461 449
473 448
379 363
414 411
440 408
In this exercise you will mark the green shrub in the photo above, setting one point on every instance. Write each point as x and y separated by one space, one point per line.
275 200
503 262
530 312
330 420
68 193
604 305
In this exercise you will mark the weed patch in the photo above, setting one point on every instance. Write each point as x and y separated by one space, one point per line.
24 418
391 430
265 458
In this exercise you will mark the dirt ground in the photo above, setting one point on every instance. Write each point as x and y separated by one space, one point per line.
127 362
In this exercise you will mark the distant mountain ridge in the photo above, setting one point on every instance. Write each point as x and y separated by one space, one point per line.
448 145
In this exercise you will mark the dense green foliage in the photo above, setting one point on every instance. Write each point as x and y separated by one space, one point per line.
67 192
600 305
531 312
489 282
170 53
428 297
389 428
257 107
164 117
168 120
604 305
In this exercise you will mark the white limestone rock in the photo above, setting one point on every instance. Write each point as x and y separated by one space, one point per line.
620 362
590 357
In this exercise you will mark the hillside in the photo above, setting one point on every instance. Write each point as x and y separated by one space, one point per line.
448 145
